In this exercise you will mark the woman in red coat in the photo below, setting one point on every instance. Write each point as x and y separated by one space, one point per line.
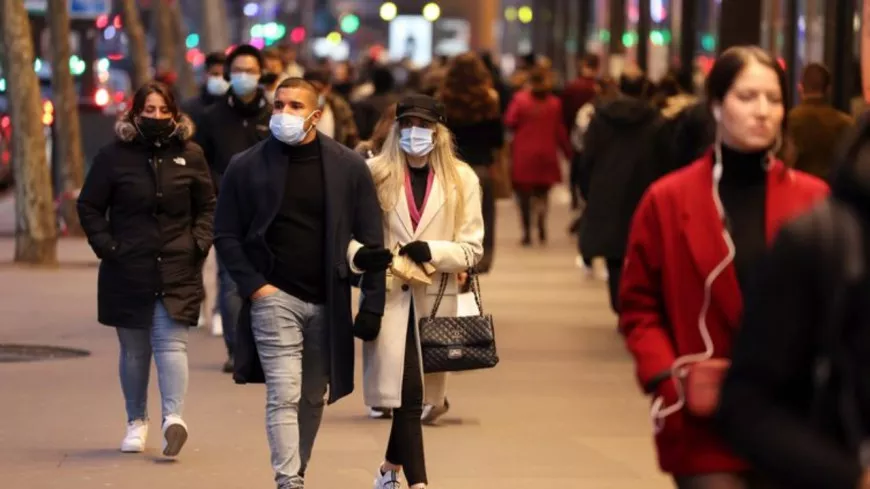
694 249
535 117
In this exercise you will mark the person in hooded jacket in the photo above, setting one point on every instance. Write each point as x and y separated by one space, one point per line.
804 427
535 117
621 157
231 126
697 240
147 207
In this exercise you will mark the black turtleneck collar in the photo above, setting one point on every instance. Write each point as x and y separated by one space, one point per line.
741 167
302 152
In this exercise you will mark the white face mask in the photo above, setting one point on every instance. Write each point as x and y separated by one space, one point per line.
217 85
417 141
244 84
289 128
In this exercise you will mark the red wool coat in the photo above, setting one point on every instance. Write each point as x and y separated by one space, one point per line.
538 135
674 244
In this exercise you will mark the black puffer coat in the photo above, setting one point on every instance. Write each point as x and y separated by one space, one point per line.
148 212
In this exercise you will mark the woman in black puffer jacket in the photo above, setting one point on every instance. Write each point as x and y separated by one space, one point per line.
147 207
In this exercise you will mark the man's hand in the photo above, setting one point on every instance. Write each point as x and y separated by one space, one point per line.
418 251
372 259
264 291
367 326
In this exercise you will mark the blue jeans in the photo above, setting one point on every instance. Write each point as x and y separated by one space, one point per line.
291 340
230 305
167 340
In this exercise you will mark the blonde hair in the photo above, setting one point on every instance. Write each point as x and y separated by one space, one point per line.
388 171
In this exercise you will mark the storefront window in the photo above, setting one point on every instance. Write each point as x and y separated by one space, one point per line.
661 42
810 34
598 37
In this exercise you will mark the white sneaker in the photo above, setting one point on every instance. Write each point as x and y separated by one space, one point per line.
380 413
387 480
432 413
217 325
174 435
137 433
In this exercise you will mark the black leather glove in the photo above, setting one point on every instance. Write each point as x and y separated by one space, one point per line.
372 259
367 325
418 251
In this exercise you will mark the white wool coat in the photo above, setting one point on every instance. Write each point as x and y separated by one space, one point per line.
383 358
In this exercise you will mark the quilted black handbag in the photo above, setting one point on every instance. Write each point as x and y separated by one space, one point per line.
455 344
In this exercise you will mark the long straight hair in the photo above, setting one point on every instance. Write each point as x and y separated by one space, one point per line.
389 166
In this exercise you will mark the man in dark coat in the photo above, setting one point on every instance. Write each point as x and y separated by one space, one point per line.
287 211
230 126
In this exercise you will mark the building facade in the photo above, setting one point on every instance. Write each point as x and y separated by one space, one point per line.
659 35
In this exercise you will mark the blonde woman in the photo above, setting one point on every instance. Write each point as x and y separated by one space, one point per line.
432 212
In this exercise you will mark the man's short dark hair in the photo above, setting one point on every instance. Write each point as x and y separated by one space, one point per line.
295 82
816 78
245 50
592 61
214 59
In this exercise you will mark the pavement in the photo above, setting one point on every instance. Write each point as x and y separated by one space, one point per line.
560 410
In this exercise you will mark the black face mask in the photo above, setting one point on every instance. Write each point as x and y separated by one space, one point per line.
155 130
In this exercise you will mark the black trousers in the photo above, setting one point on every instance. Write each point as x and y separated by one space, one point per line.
614 275
488 200
405 447
534 201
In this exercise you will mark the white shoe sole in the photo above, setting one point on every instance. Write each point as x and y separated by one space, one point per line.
174 439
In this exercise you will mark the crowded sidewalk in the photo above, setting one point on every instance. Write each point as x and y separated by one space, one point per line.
560 410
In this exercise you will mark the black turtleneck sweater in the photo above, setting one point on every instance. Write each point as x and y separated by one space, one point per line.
297 234
743 190
419 181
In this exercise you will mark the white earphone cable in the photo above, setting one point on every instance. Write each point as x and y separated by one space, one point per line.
658 410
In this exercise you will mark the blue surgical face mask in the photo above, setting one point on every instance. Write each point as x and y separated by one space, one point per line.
244 84
417 141
217 85
289 128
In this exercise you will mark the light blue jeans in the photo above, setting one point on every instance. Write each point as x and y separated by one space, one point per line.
291 340
167 340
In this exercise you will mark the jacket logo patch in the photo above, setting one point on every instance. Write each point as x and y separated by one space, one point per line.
180 161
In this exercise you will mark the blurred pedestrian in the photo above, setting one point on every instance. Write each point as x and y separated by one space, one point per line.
696 242
430 206
372 147
621 158
337 121
212 90
815 127
147 207
471 105
535 117
797 396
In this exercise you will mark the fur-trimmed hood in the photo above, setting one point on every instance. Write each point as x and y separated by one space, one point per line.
126 130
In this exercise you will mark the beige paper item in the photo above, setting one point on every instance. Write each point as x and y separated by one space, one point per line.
408 271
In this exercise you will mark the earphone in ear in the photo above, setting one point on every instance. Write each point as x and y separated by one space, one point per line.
717 114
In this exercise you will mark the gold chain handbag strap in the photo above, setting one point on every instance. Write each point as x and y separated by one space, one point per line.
475 287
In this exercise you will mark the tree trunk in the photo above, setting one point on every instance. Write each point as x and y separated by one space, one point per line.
186 81
35 221
69 137
162 22
138 45
215 26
